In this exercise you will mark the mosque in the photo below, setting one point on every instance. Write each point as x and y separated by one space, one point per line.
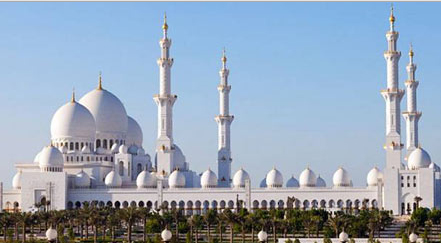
95 155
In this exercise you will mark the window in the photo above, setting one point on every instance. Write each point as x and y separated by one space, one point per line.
408 181
77 146
71 146
121 168
414 181
138 168
105 143
110 143
98 143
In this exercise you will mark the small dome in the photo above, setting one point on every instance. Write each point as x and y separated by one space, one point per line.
133 149
320 182
240 177
73 120
274 178
141 151
146 180
50 157
134 132
16 181
419 158
85 149
82 180
341 178
64 149
208 179
292 182
307 178
114 149
107 110
373 176
434 166
176 179
263 183
113 179
123 149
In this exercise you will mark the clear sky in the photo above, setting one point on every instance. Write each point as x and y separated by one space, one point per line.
305 77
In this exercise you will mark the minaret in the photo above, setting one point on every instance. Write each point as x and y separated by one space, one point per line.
411 116
224 120
165 101
392 95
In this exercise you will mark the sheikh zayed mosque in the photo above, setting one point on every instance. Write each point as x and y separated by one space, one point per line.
95 155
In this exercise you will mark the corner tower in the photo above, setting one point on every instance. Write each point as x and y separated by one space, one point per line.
392 96
224 120
165 100
411 116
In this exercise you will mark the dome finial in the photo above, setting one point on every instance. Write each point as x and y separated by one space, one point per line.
224 58
392 17
165 25
72 99
411 50
100 82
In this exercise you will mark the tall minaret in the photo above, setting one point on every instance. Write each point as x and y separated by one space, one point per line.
392 95
411 116
165 101
224 120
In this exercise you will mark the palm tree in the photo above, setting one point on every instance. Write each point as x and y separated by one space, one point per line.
417 201
231 219
85 214
113 221
210 218
252 221
241 217
129 216
195 222
144 214
24 219
94 220
335 222
6 220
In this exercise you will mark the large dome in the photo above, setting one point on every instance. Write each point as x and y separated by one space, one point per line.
134 132
240 177
292 182
341 178
73 120
274 178
419 158
146 180
176 179
107 110
50 158
373 176
307 178
263 183
113 179
208 179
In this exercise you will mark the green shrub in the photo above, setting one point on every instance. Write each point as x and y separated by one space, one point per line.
351 240
188 237
296 241
288 241
327 240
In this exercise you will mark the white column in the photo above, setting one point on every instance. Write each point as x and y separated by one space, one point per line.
411 116
392 96
224 120
165 101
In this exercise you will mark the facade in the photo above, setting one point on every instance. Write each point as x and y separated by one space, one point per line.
96 155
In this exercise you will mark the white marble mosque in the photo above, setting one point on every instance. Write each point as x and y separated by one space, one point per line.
96 155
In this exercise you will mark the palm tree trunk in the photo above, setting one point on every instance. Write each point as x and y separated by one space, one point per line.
95 234
243 234
231 233
252 234
16 232
87 231
197 236
220 232
274 233
144 232
24 233
129 233
82 230
5 229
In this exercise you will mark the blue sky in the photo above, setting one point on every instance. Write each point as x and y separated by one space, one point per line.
305 77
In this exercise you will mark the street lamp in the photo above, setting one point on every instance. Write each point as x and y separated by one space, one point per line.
166 235
51 234
413 237
262 236
343 237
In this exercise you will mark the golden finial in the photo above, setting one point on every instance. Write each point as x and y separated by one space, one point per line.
392 17
100 83
165 25
411 50
224 56
72 99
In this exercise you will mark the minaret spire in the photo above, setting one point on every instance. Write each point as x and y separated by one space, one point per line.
72 99
392 96
411 116
165 100
392 18
224 120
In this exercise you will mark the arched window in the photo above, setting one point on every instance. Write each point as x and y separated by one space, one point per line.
77 146
71 146
110 143
67 158
82 145
121 168
138 168
105 143
98 143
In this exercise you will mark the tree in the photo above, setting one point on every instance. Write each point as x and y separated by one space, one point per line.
335 222
24 219
129 216
144 214
210 218
231 219
195 222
